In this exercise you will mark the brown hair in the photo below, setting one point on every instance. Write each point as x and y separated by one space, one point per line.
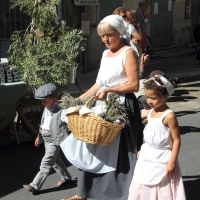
131 16
118 11
151 85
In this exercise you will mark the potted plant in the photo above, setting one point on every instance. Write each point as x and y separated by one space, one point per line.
47 50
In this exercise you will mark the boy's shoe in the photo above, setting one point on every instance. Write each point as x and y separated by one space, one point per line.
62 182
30 189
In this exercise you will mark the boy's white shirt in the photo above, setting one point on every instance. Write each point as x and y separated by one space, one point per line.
47 119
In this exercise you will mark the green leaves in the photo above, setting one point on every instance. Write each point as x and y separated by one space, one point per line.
45 60
43 12
47 50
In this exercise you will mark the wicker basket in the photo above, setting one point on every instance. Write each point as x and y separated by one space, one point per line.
92 129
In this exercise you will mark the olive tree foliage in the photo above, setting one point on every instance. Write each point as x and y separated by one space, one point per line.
47 50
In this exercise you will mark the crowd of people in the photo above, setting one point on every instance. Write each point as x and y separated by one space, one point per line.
138 164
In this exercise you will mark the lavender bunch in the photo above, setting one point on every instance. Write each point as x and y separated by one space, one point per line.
115 112
68 101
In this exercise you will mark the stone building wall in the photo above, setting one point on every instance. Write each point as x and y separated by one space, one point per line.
74 15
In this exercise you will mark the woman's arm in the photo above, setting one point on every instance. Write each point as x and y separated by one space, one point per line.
171 121
132 72
92 91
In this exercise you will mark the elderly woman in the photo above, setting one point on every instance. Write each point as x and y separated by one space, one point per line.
105 172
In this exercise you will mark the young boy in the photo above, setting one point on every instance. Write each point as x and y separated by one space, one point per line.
52 131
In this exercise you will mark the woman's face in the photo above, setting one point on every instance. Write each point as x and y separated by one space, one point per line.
111 40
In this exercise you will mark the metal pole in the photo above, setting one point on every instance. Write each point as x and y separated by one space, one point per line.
85 56
9 19
60 10
4 21
15 19
86 48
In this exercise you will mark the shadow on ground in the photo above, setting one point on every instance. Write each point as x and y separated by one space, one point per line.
19 164
192 187
73 184
188 129
186 112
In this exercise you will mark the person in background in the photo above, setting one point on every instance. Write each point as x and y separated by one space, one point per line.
52 131
142 19
134 33
105 172
157 174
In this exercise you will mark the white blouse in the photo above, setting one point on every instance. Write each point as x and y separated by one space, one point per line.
96 158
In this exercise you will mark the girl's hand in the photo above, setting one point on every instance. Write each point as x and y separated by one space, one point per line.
170 168
37 142
138 154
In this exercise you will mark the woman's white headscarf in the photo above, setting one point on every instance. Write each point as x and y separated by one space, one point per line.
117 22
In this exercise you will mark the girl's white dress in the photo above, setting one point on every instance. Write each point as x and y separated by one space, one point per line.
149 179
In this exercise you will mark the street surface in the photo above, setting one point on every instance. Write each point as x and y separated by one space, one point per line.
19 164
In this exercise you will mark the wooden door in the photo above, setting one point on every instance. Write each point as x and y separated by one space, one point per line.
108 6
161 25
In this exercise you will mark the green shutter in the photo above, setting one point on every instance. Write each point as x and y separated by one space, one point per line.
108 6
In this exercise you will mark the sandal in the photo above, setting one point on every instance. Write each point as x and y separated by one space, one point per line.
75 197
62 182
30 189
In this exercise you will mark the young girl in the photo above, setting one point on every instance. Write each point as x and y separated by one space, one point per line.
157 174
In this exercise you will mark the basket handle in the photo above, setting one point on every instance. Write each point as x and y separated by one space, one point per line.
92 98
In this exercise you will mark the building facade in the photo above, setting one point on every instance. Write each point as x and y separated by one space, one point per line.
164 29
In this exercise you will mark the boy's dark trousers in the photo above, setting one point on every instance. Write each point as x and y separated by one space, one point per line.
52 158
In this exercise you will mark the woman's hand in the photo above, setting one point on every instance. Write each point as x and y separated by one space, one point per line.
37 142
170 168
102 94
138 154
